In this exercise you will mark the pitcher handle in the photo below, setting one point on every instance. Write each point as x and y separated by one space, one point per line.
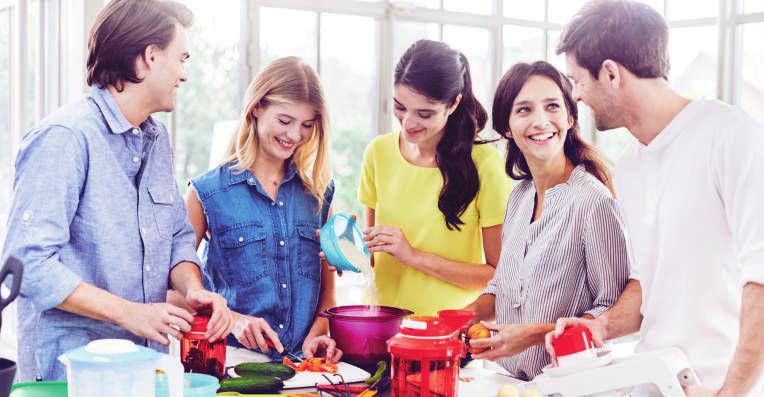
174 370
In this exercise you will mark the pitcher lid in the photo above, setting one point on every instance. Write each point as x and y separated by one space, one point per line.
108 352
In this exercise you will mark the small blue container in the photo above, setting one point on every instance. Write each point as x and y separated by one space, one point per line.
341 226
194 385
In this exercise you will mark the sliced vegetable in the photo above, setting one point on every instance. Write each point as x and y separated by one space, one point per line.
315 364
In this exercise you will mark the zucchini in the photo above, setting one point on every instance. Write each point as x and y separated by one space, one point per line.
278 370
252 384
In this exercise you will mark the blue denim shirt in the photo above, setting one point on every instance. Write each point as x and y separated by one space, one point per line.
95 200
262 255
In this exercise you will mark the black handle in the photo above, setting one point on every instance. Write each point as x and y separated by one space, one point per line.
12 267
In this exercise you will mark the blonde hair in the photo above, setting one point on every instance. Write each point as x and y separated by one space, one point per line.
286 80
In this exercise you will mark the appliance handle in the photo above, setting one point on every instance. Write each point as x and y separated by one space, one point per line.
14 268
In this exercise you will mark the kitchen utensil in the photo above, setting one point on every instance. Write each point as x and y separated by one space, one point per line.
574 346
294 358
198 354
14 269
194 385
425 357
362 331
39 389
119 368
668 370
343 244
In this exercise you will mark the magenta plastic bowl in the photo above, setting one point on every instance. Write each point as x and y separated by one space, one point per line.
361 331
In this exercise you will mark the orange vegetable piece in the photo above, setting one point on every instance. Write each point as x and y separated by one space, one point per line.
477 331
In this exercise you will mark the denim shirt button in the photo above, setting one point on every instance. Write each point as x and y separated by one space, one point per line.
136 131
281 326
136 159
241 239
283 285
251 181
281 243
281 203
148 268
273 203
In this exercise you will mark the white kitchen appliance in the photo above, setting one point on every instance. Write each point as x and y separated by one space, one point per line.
667 370
119 368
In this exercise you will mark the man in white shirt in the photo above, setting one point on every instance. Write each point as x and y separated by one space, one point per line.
692 193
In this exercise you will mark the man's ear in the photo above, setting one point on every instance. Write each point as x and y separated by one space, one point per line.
610 73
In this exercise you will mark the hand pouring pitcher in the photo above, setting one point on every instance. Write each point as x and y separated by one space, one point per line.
119 368
12 268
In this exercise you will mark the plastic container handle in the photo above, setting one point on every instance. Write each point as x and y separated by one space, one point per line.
174 370
324 314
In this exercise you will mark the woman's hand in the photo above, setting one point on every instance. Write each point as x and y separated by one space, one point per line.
313 344
253 332
390 240
508 340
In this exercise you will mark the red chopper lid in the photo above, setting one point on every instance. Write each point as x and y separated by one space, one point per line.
425 337
199 326
573 340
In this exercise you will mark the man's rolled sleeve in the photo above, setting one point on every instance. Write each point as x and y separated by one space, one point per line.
184 238
49 177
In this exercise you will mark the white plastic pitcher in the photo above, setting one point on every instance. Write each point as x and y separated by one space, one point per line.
119 368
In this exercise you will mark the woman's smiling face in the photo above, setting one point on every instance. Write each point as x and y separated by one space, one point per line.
539 121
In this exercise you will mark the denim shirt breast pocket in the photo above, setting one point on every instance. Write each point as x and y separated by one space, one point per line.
165 214
243 248
308 262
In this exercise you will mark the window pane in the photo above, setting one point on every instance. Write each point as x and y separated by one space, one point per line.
522 9
301 40
560 11
553 39
751 6
484 7
522 44
208 102
752 98
679 9
6 144
406 33
351 88
694 61
475 44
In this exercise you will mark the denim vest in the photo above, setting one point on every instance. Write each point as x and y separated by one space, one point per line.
262 254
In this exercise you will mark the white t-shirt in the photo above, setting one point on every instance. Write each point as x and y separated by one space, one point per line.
693 201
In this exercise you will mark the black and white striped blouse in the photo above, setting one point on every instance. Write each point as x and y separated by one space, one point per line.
571 261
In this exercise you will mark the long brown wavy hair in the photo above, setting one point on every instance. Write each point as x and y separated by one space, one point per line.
576 149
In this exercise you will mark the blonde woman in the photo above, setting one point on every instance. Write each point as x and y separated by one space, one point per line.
259 212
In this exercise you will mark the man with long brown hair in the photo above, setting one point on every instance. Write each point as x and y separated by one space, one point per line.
690 190
97 218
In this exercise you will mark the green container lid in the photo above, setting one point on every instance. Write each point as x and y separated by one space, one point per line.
39 389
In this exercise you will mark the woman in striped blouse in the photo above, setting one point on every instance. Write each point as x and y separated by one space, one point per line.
564 250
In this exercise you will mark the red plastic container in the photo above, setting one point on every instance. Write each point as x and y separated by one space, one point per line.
573 340
200 356
425 358
361 331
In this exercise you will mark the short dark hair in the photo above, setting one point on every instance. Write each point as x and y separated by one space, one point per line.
121 33
575 148
625 31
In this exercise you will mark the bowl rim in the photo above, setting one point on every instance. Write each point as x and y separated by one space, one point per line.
392 313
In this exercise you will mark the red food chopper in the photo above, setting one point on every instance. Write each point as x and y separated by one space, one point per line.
197 354
425 355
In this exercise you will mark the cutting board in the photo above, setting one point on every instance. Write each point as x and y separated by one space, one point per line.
350 372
